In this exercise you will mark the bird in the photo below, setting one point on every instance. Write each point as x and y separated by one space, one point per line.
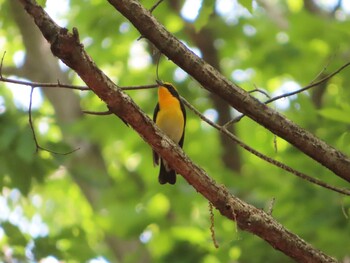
170 116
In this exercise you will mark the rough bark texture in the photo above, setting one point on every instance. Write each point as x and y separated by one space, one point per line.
67 47
213 81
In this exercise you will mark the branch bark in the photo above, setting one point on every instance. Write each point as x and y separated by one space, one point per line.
213 81
68 48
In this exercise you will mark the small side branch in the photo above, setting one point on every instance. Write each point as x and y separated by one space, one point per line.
289 94
308 86
100 113
274 162
155 5
37 145
212 225
1 63
31 121
43 85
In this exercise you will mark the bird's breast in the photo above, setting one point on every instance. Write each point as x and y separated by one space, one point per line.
171 121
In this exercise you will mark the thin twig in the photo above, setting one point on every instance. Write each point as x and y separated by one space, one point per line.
151 11
320 73
308 86
2 60
285 95
37 146
343 210
101 113
275 143
260 91
270 206
212 226
67 86
155 5
150 86
274 162
43 85
31 120
267 95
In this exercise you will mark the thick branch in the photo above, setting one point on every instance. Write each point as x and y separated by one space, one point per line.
67 47
213 81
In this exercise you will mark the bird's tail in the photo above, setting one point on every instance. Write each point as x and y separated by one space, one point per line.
166 175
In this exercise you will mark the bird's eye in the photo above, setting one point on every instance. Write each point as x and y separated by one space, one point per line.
168 86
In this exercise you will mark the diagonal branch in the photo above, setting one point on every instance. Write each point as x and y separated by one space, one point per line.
213 81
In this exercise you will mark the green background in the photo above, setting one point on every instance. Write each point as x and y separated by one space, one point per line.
105 202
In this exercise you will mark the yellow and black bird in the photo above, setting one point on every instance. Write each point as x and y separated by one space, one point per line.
170 117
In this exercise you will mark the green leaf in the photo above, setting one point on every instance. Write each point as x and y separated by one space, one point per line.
26 146
158 205
45 246
14 234
205 12
42 2
295 5
247 4
335 114
8 134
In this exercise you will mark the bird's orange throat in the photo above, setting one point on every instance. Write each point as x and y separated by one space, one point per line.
165 98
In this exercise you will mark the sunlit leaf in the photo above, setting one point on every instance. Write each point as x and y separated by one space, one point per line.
206 10
247 4
335 114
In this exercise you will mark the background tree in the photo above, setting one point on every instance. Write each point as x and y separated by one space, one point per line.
104 199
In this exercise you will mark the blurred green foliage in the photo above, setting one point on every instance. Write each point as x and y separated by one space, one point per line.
277 48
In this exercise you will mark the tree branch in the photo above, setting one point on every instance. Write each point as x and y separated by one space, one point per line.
213 81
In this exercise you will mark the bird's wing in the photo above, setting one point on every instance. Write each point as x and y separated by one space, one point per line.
155 155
